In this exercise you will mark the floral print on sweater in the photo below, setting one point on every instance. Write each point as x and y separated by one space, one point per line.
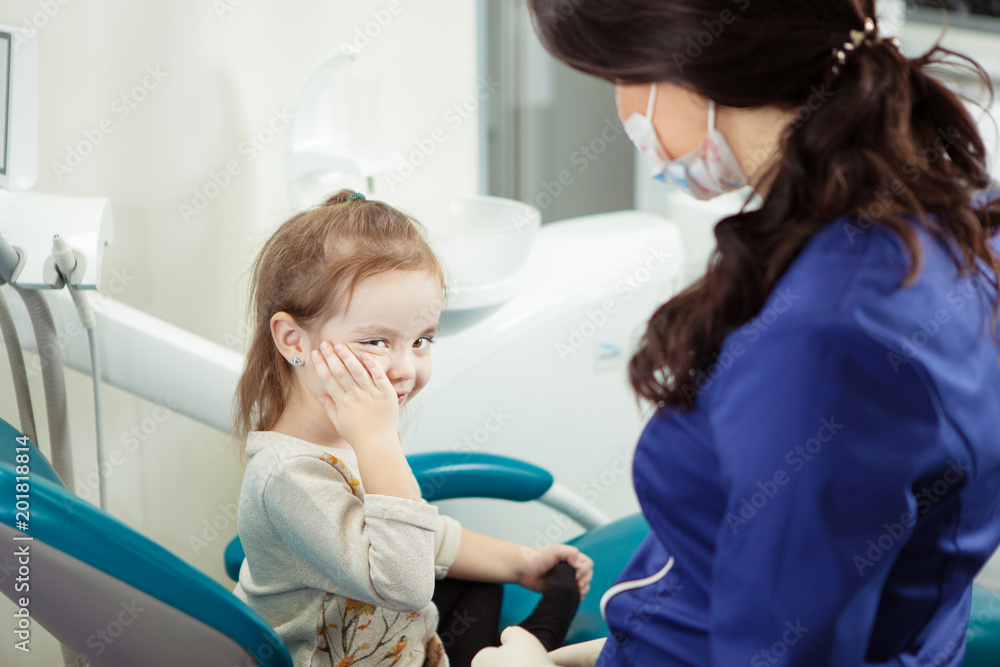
358 634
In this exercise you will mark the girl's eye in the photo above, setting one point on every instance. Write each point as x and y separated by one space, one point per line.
423 343
376 343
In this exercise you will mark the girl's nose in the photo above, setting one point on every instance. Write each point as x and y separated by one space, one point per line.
401 367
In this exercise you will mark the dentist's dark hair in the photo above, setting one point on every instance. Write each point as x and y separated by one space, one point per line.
883 141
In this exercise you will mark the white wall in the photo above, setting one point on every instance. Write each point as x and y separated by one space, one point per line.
224 75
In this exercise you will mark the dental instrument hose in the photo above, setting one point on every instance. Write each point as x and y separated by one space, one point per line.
25 412
53 382
9 261
66 263
55 387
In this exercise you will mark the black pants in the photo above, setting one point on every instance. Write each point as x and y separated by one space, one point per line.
470 613
469 617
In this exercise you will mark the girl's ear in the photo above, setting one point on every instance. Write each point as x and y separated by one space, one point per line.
288 337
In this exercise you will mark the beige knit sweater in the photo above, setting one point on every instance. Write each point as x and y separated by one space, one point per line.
344 577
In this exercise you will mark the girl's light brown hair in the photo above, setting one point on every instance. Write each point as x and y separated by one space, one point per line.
309 268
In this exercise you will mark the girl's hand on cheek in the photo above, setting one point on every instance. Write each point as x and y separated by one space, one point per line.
364 408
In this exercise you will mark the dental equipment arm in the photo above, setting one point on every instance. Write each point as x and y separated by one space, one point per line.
66 264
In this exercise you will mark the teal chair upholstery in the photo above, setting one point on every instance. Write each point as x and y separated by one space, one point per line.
106 592
982 643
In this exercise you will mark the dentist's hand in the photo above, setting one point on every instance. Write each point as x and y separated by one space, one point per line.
579 655
518 647
361 401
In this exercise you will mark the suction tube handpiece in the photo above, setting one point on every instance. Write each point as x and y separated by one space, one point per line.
66 262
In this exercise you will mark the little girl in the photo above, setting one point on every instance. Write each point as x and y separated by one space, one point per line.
341 551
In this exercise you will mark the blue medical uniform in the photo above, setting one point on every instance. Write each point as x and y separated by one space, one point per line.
836 487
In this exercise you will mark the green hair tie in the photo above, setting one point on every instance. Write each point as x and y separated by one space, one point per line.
356 195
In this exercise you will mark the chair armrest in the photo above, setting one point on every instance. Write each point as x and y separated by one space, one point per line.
447 475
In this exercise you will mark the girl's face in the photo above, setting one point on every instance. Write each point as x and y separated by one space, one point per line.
392 316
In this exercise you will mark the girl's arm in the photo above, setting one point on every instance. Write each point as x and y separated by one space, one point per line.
379 550
483 558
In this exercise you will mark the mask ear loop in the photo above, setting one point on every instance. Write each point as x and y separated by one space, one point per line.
711 115
652 102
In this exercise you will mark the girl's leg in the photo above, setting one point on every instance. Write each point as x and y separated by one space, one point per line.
470 613
469 617
555 611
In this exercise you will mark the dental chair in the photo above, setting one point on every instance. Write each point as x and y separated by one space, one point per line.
445 476
106 592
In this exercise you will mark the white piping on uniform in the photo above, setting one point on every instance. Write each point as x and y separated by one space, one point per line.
629 585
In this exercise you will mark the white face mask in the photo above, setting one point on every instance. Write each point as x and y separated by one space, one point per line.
708 171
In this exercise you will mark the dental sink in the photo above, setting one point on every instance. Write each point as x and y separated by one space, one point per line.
482 242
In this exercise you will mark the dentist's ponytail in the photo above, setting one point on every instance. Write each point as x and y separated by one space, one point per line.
875 136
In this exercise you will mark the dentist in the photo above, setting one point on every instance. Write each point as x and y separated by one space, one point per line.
822 475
